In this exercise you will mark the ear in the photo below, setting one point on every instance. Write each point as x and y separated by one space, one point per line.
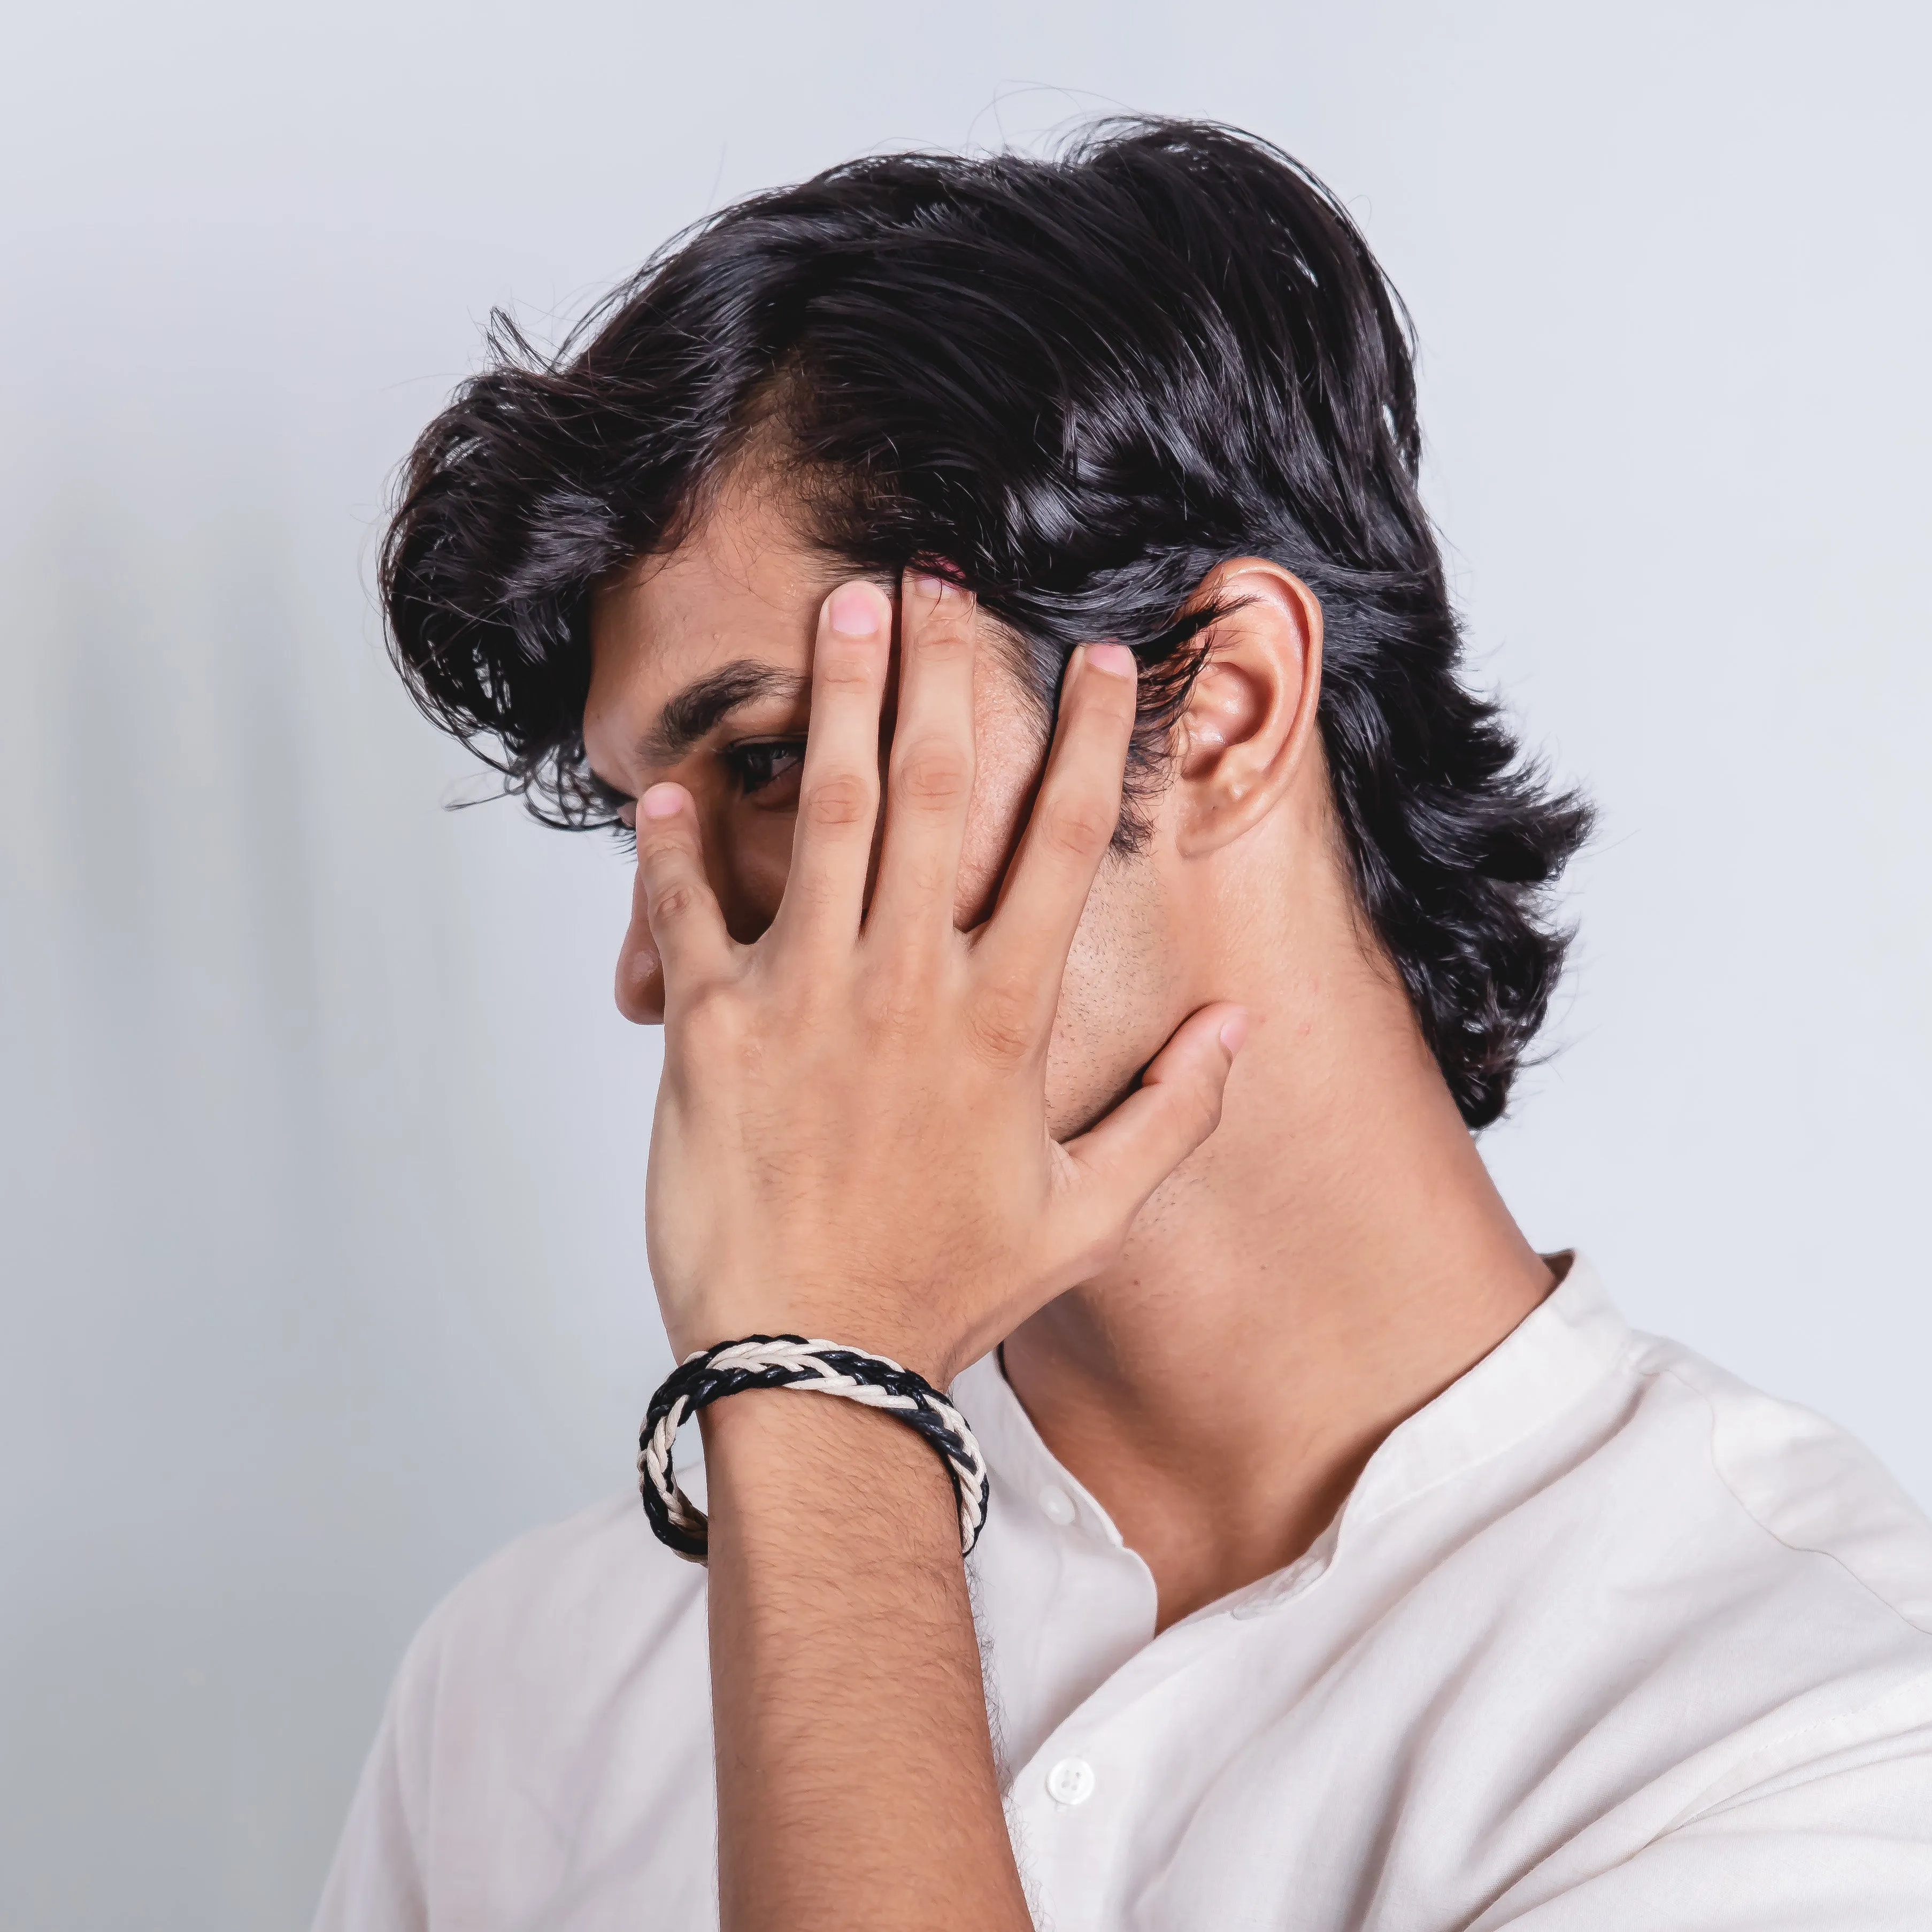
1244 736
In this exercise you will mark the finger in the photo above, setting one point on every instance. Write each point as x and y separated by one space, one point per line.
1025 942
929 777
1177 1105
686 925
838 785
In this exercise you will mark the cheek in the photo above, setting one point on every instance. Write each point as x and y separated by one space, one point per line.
991 834
1116 1000
1009 754
755 861
1121 981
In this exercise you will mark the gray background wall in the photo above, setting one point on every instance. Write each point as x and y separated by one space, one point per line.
323 1156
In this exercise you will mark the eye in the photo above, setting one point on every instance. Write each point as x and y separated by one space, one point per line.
756 763
606 808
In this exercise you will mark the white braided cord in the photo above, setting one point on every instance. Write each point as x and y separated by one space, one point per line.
802 1364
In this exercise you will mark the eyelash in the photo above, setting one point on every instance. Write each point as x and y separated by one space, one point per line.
610 803
750 761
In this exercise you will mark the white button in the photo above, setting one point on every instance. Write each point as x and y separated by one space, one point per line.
1057 1506
1071 1780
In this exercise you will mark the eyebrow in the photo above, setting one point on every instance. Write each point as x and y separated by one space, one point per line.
695 709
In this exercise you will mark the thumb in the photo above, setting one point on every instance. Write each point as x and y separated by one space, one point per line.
1177 1105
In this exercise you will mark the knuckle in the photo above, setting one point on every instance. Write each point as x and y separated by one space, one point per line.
1078 827
900 1009
709 1012
999 1024
931 774
846 668
838 799
672 900
1196 1109
947 632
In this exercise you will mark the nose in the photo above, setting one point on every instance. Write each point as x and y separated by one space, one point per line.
640 977
639 985
640 988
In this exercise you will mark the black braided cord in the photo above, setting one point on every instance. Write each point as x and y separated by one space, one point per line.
824 1368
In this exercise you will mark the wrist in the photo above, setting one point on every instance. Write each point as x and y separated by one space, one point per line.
828 1318
754 1364
786 1473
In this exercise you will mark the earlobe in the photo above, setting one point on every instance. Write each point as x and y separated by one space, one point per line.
1251 713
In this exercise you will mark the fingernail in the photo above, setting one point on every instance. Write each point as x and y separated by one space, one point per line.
1113 658
1234 1032
853 609
661 801
936 588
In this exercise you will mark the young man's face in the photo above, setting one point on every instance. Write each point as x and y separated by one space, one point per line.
700 672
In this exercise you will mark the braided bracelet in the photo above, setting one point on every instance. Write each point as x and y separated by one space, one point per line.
822 1368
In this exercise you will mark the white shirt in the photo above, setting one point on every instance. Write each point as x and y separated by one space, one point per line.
1601 1639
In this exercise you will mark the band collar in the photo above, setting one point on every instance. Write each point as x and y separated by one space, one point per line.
1544 1365
1560 1350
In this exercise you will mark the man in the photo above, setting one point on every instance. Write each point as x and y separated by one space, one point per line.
1090 1011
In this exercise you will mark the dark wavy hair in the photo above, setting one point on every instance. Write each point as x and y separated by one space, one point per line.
1074 384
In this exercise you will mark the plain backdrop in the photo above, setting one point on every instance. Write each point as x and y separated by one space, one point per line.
323 1146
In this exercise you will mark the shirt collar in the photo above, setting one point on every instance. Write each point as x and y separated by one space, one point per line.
1019 1461
1543 1366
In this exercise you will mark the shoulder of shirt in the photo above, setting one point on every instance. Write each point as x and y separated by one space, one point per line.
1805 1482
571 1575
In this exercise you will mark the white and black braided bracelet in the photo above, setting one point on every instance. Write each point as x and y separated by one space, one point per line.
821 1368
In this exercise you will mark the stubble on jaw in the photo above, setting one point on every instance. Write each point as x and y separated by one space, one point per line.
1117 996
1116 999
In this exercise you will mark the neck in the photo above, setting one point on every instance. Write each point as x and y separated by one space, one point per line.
1332 1259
